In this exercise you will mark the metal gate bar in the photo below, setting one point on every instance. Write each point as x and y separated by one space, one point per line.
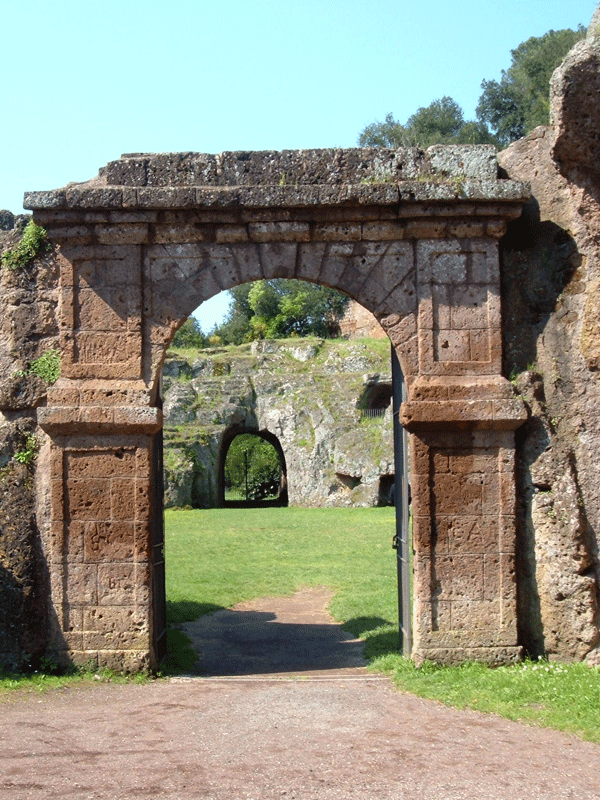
401 495
159 606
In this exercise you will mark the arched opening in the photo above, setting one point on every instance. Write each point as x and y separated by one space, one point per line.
252 470
376 397
344 376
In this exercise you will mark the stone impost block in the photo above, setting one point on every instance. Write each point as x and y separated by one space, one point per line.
279 231
80 234
463 414
67 421
495 228
122 234
336 232
466 229
231 234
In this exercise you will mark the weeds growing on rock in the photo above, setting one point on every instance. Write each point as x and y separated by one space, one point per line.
46 367
27 454
32 242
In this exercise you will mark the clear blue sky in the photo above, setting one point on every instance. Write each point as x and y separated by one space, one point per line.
84 81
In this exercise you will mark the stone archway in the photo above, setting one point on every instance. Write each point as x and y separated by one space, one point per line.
412 236
226 442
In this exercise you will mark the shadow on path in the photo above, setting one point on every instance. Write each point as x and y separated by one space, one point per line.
270 636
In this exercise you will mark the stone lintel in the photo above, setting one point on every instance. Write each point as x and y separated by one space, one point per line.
506 192
289 179
305 167
71 420
70 224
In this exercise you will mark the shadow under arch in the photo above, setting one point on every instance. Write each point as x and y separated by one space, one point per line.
227 440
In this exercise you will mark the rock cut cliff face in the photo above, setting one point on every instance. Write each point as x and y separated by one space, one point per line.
307 393
28 329
551 314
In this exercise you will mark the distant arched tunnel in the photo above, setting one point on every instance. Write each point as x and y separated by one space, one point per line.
252 469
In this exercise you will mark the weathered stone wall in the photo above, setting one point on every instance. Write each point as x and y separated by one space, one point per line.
551 312
357 321
28 329
310 394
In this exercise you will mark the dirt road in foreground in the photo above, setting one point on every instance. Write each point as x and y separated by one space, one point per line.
334 733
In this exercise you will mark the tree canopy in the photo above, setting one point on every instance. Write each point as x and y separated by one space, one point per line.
520 101
507 109
441 122
250 462
190 335
280 308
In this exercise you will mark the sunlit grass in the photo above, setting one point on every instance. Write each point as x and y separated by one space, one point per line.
219 557
40 681
561 696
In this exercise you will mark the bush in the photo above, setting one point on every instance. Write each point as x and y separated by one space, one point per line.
32 242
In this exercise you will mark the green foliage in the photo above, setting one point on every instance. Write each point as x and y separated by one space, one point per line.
389 133
45 675
520 101
46 367
280 308
561 696
32 242
441 122
250 458
28 452
507 110
190 336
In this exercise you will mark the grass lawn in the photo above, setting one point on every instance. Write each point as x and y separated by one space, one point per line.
219 557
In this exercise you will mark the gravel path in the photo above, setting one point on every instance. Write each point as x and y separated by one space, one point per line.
330 734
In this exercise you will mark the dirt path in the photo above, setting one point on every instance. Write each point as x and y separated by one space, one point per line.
269 737
292 636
